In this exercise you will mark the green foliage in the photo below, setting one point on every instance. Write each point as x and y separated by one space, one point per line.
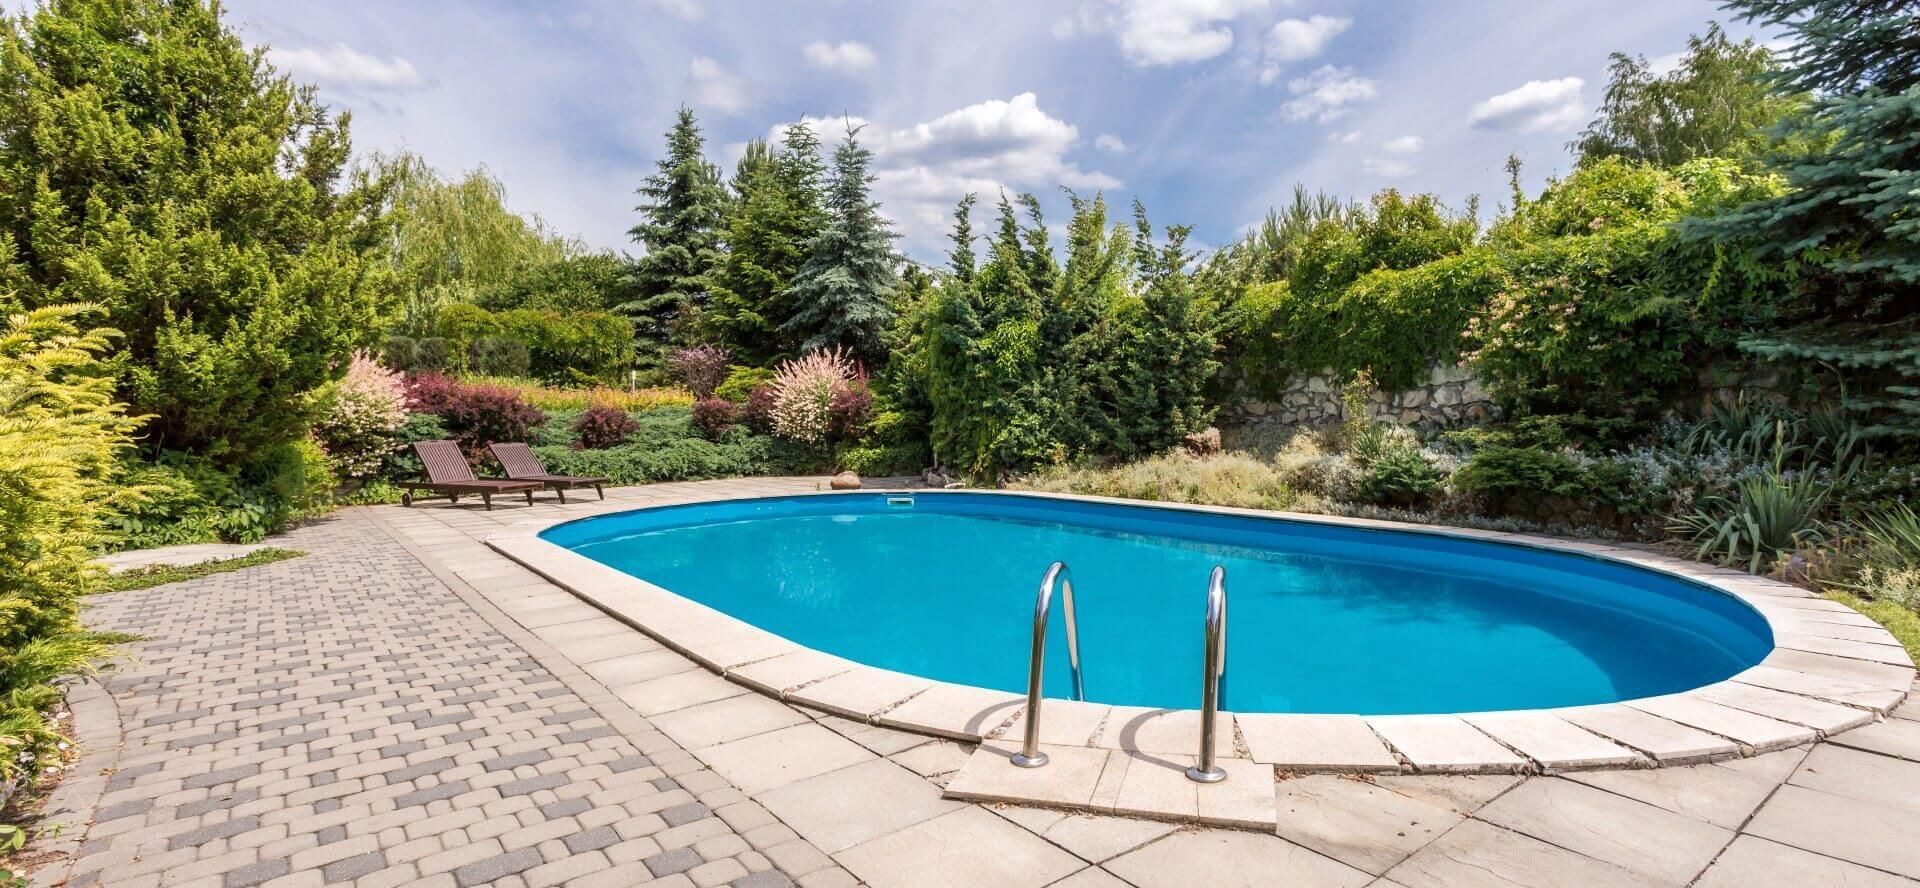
1602 307
1851 211
741 381
151 163
162 574
884 460
665 447
1025 362
1500 471
1772 516
581 282
776 215
1715 103
1340 307
559 346
681 225
1401 476
61 435
842 295
1224 480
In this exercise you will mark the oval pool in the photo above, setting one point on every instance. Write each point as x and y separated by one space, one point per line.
1323 618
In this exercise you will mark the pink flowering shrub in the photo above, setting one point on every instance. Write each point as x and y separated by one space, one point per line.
701 368
804 392
357 419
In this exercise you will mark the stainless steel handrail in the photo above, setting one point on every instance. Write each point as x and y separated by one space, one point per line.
1030 755
1213 668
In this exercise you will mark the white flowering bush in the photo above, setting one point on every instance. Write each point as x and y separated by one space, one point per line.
804 390
358 419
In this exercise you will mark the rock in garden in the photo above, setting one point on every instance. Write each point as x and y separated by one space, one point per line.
845 481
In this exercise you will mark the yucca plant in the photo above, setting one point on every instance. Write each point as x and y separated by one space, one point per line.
1771 516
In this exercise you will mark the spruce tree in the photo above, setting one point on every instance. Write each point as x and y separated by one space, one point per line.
680 227
776 215
153 164
1851 215
842 296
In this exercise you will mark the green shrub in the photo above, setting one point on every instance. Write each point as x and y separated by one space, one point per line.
1771 517
882 460
61 435
682 459
1228 479
1501 471
1401 477
740 383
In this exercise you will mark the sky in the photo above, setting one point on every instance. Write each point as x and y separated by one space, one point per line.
1208 111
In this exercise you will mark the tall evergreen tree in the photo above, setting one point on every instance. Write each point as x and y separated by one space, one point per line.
682 214
777 212
153 164
1852 212
961 258
842 296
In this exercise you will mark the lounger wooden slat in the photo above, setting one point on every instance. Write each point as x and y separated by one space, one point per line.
450 475
520 464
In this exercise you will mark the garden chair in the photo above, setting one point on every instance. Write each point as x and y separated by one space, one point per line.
522 465
449 474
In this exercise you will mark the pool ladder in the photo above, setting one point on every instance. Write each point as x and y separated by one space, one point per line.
1213 668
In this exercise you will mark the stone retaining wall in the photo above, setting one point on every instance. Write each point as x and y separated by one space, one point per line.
1449 396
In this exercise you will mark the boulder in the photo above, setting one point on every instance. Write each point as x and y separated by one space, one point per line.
845 481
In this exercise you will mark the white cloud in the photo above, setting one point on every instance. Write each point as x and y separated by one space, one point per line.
342 65
922 169
1292 40
1387 167
715 87
688 10
1403 145
1344 138
1325 94
1536 106
1110 143
846 57
1167 32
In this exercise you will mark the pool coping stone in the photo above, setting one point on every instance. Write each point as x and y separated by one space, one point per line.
1817 682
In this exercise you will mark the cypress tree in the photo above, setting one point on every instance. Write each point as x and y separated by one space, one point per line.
681 217
1851 215
152 164
842 296
776 215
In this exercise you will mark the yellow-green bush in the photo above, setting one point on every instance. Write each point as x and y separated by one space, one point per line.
60 437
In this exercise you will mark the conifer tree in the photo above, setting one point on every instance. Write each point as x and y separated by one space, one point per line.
777 213
1852 211
151 163
842 296
681 217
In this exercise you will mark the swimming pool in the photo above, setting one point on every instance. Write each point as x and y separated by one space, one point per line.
1324 618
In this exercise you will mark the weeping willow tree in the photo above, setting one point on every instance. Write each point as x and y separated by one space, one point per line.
455 240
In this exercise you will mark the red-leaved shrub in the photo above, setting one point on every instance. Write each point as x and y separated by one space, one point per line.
759 408
701 367
602 427
713 416
852 410
430 392
479 415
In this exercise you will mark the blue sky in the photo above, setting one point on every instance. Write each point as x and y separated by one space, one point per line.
1208 110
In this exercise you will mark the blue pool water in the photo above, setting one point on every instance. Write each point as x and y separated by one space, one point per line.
1322 619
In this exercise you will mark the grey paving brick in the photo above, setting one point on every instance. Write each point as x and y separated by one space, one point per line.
679 860
509 762
682 814
257 872
531 784
498 867
432 794
354 867
592 839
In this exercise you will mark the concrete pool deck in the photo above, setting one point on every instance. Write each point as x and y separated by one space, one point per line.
359 687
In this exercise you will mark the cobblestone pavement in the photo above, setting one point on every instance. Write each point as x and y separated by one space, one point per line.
347 718
404 706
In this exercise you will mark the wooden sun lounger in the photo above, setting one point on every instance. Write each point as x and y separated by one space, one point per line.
521 464
450 475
